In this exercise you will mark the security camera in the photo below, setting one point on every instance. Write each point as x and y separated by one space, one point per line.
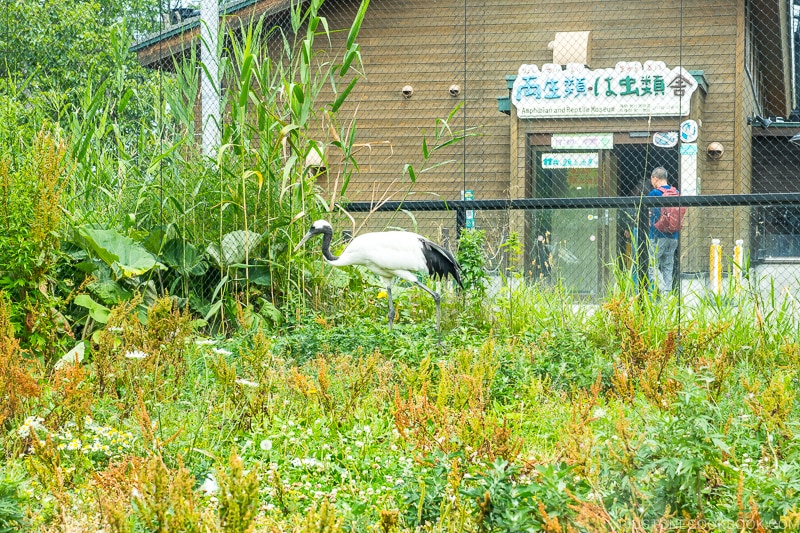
407 91
455 90
715 150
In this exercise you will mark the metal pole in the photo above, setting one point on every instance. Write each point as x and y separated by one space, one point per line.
738 264
461 221
210 84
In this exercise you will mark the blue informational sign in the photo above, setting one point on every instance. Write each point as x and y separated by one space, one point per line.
469 195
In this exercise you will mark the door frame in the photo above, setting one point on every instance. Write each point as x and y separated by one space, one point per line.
538 142
608 185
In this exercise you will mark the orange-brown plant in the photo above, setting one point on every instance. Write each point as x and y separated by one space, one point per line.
164 498
73 393
238 497
161 339
16 382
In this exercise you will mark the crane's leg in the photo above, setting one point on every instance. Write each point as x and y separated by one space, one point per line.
391 305
437 299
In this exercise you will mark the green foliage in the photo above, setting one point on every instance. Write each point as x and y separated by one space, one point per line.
473 264
164 500
12 516
30 226
507 503
568 360
425 498
238 498
56 48
339 423
125 257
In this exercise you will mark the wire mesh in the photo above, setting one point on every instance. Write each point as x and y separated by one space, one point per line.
566 103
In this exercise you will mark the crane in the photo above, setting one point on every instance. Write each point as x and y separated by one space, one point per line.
389 255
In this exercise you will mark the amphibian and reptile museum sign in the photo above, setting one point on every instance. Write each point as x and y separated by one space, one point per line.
627 90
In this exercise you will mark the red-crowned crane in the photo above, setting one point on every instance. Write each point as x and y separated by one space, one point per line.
389 255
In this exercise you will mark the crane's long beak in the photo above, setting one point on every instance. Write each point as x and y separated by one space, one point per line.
303 241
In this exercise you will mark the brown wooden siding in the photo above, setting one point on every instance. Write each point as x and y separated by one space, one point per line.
433 44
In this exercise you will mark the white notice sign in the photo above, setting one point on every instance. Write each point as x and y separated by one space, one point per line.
628 90
582 141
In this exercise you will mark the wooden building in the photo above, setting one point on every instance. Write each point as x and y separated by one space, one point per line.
705 88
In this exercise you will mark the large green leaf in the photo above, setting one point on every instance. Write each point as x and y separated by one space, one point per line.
260 275
184 257
98 312
125 257
236 247
72 357
109 291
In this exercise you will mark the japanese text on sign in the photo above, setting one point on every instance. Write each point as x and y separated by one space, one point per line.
569 160
629 89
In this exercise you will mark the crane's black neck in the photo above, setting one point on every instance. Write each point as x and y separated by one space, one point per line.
327 235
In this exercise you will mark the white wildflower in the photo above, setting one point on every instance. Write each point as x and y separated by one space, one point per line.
210 485
247 383
31 423
136 354
221 351
205 342
266 445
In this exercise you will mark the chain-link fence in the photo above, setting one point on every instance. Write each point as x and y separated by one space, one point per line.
567 124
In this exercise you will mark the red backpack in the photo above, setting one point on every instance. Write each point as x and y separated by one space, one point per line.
671 219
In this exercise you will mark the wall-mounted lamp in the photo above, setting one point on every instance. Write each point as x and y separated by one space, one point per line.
454 90
715 150
407 91
795 139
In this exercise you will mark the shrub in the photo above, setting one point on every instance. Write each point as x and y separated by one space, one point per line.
30 219
12 517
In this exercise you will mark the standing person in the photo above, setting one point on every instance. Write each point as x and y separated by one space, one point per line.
663 243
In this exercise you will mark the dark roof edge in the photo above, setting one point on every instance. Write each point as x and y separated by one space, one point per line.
190 24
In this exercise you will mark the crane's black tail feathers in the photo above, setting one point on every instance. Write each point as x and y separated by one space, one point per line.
441 262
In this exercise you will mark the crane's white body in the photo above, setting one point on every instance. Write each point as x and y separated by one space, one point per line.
389 255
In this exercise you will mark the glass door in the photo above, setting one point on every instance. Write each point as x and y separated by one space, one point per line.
570 245
581 247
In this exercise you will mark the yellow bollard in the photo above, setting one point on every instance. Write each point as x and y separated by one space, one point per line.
715 267
738 264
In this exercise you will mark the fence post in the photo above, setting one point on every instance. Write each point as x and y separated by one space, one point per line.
461 221
715 267
738 264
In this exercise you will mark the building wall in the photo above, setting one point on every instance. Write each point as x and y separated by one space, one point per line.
432 45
